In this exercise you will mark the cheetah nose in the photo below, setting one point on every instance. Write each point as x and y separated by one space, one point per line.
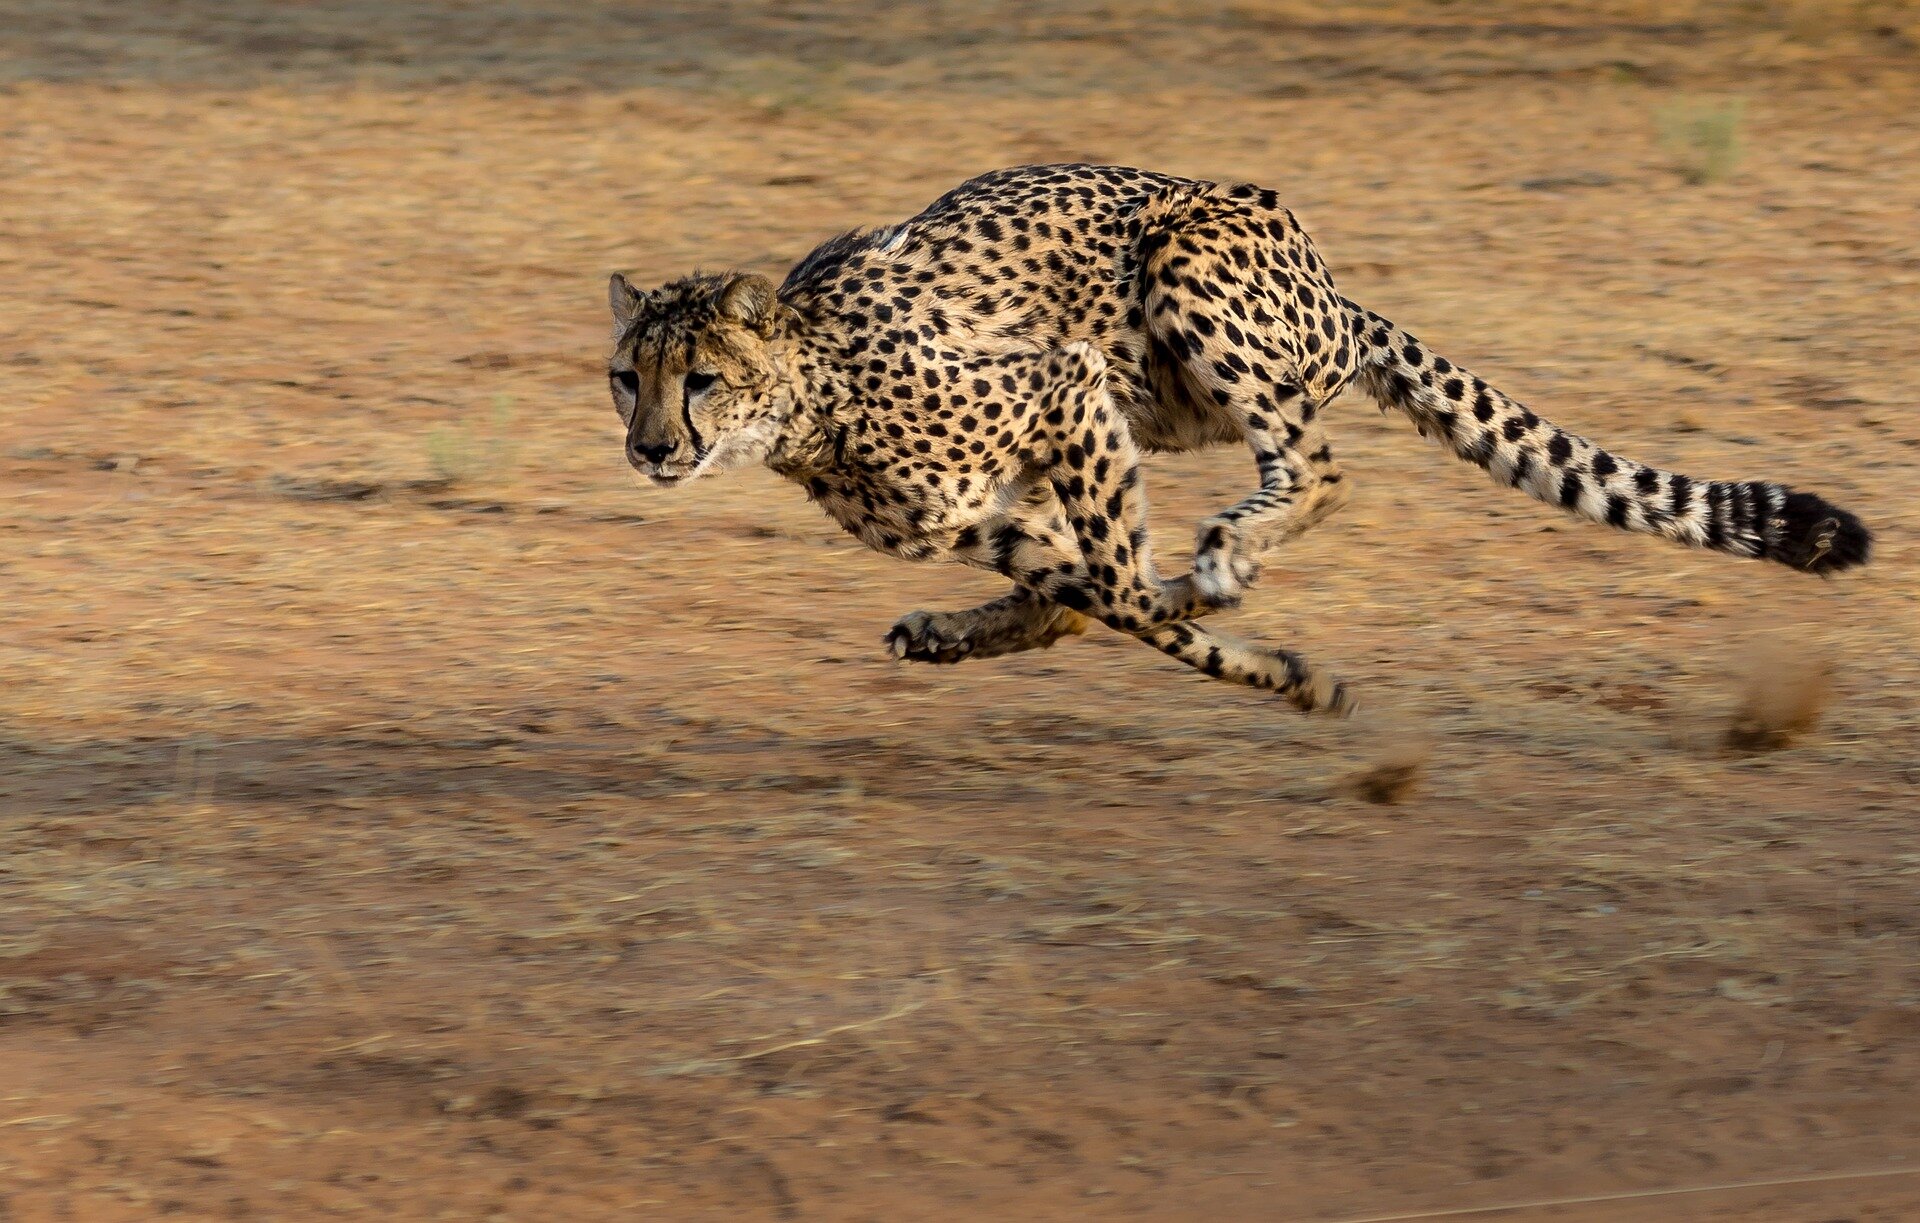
641 452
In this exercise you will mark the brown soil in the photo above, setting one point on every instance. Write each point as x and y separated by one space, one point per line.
402 813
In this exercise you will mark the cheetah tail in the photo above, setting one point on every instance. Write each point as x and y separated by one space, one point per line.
1521 450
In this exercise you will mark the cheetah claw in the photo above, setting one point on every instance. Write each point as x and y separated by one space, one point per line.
914 638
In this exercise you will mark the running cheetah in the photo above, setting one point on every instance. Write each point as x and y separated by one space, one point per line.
981 382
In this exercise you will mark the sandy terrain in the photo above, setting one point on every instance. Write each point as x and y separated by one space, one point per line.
404 815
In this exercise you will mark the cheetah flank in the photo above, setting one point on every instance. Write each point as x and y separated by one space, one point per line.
980 383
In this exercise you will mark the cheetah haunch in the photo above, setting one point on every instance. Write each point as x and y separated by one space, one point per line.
981 382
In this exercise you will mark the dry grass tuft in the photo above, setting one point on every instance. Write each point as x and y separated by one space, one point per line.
1392 774
1784 696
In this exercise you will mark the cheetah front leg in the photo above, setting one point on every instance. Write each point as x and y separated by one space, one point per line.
1032 545
1083 450
1229 658
1019 621
1035 549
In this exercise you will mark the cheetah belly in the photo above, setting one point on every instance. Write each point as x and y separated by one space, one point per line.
1164 414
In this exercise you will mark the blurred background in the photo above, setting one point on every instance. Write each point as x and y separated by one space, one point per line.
403 813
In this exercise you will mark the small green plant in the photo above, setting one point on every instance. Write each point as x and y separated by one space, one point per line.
1704 136
784 86
1820 21
458 456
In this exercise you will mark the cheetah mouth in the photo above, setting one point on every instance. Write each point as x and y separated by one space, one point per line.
664 475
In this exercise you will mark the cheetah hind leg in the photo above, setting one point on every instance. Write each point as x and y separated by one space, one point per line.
1020 621
1034 549
1234 545
1229 658
1027 621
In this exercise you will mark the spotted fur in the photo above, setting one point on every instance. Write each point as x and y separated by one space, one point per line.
1521 450
981 383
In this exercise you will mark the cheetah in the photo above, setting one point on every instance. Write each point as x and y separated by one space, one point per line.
981 383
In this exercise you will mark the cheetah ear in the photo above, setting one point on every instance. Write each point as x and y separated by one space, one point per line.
750 300
624 298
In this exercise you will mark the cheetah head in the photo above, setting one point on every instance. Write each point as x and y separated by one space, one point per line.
693 373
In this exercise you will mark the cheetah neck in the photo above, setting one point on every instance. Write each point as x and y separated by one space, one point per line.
806 402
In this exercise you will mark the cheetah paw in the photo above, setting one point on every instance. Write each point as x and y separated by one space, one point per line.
1221 575
927 637
1338 701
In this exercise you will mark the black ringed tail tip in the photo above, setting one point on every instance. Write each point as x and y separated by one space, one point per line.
1815 536
1342 704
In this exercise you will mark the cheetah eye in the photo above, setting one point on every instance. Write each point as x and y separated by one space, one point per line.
628 380
697 381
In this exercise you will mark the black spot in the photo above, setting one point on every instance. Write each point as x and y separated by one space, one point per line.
1745 517
1570 487
1716 526
1680 496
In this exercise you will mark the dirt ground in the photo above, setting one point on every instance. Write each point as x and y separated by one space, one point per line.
403 814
